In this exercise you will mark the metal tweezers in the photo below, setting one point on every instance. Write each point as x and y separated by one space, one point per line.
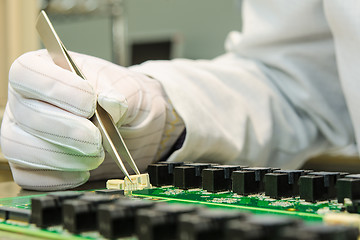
112 140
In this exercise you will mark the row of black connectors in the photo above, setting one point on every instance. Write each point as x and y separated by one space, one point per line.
115 216
274 182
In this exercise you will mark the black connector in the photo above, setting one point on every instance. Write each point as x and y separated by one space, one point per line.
117 220
249 180
218 178
265 227
239 229
161 222
162 173
354 207
207 224
272 225
329 232
80 215
185 177
17 214
46 210
276 185
319 186
189 175
282 183
348 187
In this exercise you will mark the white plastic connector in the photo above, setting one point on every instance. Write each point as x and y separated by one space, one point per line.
115 184
342 219
139 182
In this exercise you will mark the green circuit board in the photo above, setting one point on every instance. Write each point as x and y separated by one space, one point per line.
258 204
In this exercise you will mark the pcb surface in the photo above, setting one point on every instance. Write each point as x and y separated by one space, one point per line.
258 204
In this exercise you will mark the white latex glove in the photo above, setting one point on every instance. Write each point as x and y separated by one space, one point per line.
46 134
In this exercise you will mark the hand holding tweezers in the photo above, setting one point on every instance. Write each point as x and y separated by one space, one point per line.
112 140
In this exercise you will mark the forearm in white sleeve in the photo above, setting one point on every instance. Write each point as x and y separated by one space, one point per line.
343 18
274 99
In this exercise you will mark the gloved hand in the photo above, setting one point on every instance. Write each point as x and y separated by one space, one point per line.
46 133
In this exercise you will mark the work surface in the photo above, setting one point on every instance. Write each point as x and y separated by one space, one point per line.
11 189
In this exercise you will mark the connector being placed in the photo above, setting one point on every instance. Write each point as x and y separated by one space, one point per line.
138 182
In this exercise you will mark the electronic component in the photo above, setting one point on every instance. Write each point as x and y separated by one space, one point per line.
189 175
354 207
207 224
259 227
185 177
81 214
46 210
348 187
249 180
218 178
15 214
117 219
110 191
244 183
239 229
342 219
137 182
161 222
162 173
321 232
282 183
318 186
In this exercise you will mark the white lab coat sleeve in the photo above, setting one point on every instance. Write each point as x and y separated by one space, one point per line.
273 100
344 21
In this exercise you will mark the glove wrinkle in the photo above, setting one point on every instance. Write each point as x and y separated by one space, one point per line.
56 79
34 76
23 116
78 155
56 135
59 102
